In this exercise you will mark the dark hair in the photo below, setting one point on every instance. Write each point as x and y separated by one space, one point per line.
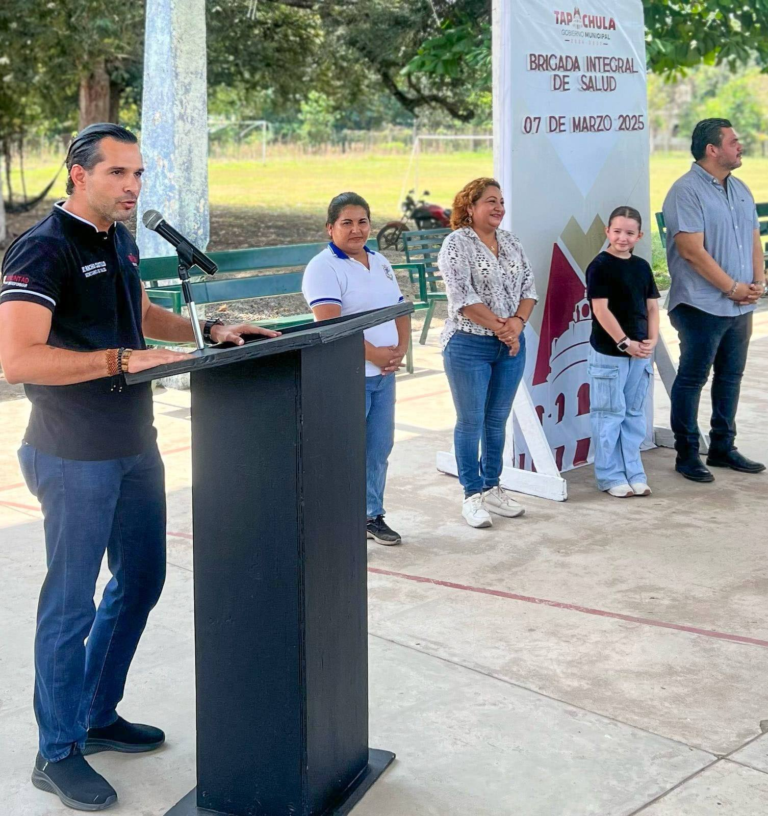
707 132
84 148
345 200
626 212
469 194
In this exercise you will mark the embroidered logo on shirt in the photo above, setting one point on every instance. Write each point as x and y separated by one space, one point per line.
94 269
16 280
134 260
388 272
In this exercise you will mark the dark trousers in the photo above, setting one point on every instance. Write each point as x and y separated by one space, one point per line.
82 655
708 343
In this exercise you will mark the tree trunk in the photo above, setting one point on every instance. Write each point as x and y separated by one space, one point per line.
7 160
115 94
2 219
95 96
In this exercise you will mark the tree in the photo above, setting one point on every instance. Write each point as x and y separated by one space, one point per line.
742 98
680 34
93 47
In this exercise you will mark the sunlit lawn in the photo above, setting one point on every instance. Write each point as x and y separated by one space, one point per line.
307 183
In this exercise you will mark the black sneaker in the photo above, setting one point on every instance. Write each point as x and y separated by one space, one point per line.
378 530
128 738
74 782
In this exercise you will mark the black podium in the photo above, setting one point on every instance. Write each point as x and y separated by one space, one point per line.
281 653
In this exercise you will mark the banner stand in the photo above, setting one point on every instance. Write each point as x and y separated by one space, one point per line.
570 145
546 481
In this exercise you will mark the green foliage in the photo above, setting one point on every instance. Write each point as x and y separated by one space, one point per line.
327 65
744 100
682 35
317 118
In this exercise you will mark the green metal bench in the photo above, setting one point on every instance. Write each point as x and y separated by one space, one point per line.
243 274
421 250
762 217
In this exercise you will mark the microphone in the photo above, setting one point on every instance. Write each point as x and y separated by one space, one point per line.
155 222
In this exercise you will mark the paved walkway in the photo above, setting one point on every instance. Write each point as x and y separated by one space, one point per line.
595 658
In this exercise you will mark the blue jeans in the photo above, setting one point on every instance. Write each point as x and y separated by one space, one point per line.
117 506
708 341
618 388
379 438
484 379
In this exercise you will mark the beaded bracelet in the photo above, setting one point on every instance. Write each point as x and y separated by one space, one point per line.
124 358
113 368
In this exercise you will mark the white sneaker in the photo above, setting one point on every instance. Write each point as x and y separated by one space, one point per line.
623 491
474 513
641 489
498 501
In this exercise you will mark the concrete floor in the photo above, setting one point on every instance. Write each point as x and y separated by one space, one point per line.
595 658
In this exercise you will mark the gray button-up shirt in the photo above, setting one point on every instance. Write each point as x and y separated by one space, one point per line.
726 215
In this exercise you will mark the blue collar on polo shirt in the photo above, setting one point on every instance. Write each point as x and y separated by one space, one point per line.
339 253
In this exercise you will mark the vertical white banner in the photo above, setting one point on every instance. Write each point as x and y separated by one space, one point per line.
571 144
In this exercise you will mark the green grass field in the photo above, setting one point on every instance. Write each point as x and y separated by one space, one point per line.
306 183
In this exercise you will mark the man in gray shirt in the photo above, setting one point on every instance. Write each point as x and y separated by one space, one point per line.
716 264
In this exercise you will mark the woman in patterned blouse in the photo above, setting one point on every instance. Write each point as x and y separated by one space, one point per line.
491 295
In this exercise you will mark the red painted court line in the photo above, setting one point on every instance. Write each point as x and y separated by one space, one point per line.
575 608
511 596
175 450
20 506
12 486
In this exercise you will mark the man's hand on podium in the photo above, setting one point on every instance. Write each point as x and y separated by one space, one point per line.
142 359
234 334
387 358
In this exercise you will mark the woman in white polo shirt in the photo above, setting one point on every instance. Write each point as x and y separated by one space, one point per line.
346 278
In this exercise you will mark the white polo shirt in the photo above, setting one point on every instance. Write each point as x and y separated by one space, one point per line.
334 277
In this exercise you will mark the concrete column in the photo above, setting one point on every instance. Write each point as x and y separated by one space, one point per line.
174 131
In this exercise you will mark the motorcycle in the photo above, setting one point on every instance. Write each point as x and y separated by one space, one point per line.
424 215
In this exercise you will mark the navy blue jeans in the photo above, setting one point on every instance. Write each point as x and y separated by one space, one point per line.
484 379
708 343
117 506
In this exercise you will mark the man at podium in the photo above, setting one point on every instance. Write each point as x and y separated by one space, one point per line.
346 278
73 322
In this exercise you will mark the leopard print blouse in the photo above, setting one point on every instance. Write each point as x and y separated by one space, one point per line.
472 274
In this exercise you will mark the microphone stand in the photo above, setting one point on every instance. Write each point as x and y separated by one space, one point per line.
186 261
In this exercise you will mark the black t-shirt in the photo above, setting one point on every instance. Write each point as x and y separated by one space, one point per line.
90 282
627 283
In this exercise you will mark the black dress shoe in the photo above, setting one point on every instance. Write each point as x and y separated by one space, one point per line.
74 781
128 738
735 461
693 468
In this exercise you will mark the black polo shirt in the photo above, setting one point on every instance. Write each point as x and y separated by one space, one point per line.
90 282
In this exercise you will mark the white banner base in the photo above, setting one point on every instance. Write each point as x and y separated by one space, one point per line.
546 482
554 488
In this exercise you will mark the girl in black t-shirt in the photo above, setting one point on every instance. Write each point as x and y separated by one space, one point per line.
625 330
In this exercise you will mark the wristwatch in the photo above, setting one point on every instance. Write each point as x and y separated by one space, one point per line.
207 326
623 344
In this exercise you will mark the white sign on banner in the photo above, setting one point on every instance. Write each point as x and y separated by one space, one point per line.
571 144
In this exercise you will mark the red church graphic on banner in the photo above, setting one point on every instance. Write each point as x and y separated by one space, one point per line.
560 385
